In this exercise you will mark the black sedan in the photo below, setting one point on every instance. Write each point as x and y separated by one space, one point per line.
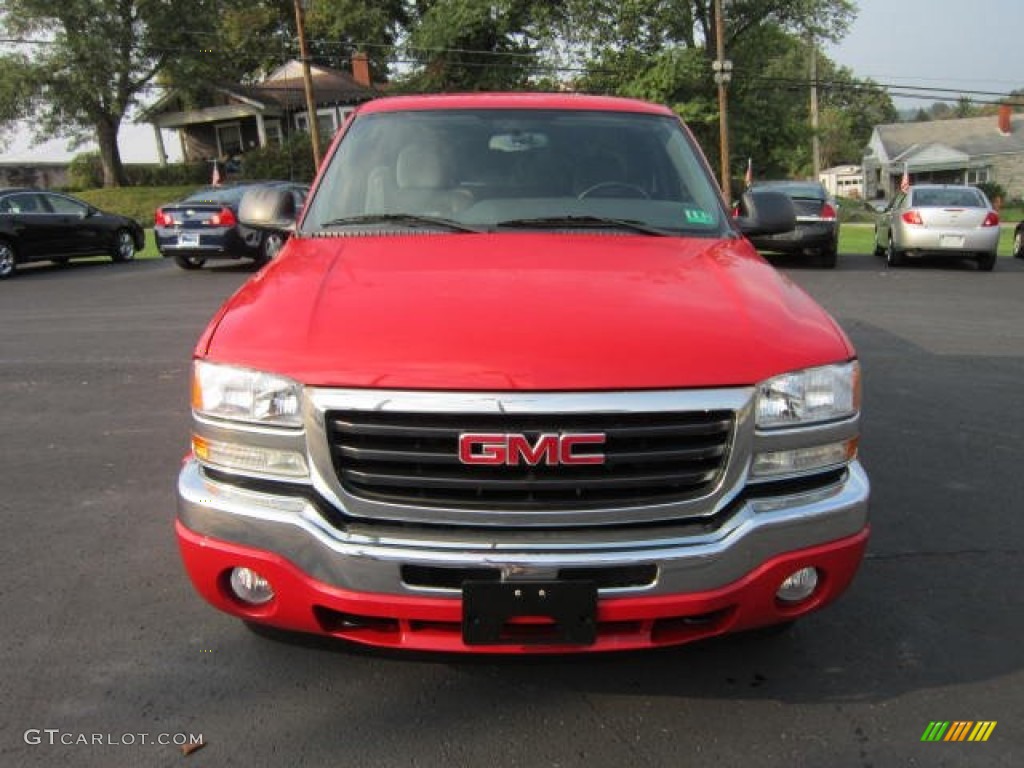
46 226
205 226
817 223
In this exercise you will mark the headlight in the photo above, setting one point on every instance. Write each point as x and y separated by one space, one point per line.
811 396
240 394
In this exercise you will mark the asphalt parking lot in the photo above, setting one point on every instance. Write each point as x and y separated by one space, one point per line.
107 651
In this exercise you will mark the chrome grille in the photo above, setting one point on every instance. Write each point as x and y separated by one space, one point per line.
413 458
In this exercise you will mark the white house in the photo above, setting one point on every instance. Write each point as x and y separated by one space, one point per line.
844 181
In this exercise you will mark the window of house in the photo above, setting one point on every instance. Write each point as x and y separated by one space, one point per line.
273 132
229 139
977 175
326 122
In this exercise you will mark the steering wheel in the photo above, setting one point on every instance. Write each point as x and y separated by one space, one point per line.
619 185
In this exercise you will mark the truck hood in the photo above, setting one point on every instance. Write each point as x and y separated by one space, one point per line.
522 311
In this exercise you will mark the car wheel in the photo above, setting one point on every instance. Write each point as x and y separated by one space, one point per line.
986 261
893 258
189 262
879 250
124 246
828 258
1018 244
8 260
272 244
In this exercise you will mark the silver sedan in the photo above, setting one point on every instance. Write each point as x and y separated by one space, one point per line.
943 219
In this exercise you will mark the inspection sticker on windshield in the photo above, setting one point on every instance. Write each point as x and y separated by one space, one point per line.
697 216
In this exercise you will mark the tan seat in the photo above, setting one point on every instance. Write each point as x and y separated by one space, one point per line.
424 185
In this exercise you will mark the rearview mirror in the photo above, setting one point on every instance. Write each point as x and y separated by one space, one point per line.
268 208
764 212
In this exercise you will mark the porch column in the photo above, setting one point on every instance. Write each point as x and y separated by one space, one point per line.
261 129
160 152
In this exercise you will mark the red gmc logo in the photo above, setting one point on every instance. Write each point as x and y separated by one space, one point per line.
491 448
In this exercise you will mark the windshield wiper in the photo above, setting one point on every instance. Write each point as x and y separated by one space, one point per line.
583 222
407 219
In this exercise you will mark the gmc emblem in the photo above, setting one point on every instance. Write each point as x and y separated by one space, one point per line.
495 448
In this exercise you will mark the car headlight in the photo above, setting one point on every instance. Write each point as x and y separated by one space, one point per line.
811 396
241 394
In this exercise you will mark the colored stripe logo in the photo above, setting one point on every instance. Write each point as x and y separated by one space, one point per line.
958 730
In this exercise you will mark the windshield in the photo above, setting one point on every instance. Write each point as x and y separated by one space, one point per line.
517 170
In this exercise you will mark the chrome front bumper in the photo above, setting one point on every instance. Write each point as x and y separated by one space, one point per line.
369 557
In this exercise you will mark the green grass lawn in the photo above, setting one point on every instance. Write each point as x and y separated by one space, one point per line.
859 238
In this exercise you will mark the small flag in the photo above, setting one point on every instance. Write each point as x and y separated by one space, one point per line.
748 179
215 181
905 181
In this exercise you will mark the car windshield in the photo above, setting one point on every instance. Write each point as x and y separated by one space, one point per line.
517 170
964 197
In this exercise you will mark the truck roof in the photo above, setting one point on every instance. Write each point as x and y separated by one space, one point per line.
569 101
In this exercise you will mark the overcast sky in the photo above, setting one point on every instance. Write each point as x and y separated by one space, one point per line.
972 45
961 45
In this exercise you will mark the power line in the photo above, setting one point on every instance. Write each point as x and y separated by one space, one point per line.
525 62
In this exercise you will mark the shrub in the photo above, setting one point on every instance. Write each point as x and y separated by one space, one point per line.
85 171
293 161
993 191
172 175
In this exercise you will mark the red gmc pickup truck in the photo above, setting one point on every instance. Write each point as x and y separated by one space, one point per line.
519 383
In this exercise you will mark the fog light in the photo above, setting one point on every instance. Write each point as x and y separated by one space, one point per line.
250 587
253 459
803 460
798 585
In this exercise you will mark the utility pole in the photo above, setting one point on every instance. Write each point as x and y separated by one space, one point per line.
307 80
815 140
723 74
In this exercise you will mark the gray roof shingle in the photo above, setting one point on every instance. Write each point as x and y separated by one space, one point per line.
971 135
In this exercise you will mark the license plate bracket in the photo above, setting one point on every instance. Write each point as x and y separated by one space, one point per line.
951 241
188 240
529 613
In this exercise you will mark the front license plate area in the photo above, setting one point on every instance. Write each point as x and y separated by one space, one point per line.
529 613
188 240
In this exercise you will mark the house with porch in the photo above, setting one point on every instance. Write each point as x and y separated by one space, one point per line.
234 118
965 151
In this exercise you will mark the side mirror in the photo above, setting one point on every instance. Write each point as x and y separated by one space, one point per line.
268 208
763 212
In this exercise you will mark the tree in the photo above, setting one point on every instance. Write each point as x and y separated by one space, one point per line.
90 61
257 36
662 50
473 45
